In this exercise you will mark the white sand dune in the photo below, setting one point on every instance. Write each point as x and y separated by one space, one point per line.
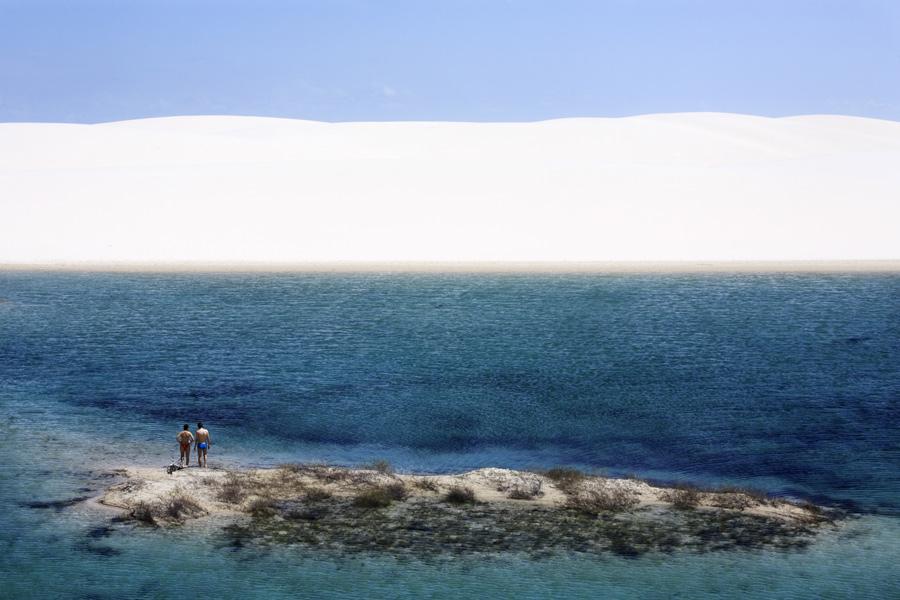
670 187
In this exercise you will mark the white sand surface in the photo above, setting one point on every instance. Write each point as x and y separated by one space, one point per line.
223 190
154 486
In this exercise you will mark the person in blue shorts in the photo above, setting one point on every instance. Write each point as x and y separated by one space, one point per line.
204 441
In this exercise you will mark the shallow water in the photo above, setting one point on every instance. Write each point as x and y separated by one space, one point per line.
789 383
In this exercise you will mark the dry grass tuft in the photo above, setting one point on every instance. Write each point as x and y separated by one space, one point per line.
295 468
811 508
396 491
143 513
380 496
176 507
684 497
261 508
610 499
322 471
316 494
381 466
754 495
285 477
567 480
232 490
729 500
526 489
429 485
460 495
814 512
374 497
180 506
737 498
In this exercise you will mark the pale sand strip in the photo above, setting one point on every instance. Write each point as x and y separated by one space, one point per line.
787 266
490 485
226 190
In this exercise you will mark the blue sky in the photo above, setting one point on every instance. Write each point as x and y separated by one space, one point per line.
463 60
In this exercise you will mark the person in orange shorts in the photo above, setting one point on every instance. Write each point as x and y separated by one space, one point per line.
185 439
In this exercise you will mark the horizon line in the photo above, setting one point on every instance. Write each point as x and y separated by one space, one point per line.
495 267
544 120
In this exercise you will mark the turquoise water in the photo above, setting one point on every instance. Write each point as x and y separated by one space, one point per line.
784 382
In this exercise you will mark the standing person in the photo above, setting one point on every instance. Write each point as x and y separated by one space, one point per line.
185 438
204 441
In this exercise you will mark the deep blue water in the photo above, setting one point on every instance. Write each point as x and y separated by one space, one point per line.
790 383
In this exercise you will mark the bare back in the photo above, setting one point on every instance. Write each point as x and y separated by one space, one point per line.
202 435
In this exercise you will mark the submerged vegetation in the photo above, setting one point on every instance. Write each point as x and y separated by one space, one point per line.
432 528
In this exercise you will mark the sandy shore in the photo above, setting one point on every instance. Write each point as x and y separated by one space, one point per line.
487 510
489 485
